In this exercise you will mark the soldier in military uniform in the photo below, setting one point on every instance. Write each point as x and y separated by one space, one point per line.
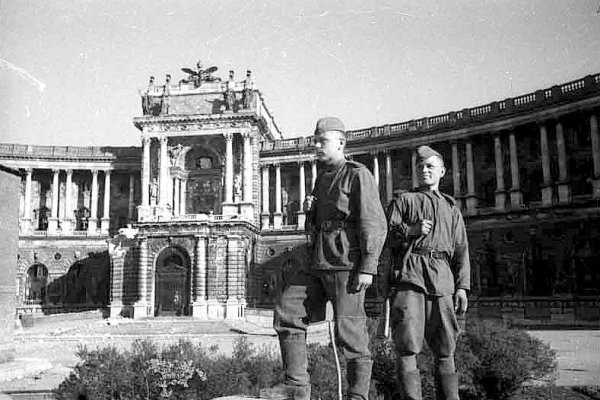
347 228
431 277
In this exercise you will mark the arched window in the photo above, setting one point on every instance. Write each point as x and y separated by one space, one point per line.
35 286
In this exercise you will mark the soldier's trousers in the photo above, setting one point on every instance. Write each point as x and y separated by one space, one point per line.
416 316
301 300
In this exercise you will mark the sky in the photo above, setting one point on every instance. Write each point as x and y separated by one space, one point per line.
70 71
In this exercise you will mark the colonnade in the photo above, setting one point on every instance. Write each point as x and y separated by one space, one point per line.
172 179
554 188
61 224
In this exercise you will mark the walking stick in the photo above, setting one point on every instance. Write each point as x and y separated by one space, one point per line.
337 359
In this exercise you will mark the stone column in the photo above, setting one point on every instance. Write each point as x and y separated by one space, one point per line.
183 197
53 220
564 187
456 175
228 167
131 203
176 194
233 306
389 183
145 171
595 136
277 215
67 223
471 195
26 228
500 187
413 159
265 215
376 168
105 222
93 221
140 308
163 183
516 196
547 184
247 187
301 194
199 306
313 171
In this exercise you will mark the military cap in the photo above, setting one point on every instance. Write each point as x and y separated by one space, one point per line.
326 124
424 152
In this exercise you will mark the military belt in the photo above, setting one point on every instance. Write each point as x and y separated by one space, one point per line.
335 224
426 251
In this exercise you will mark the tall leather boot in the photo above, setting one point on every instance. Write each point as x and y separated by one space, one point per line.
296 385
410 385
447 386
359 379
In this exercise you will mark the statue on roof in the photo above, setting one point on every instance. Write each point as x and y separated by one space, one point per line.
146 104
166 97
200 75
248 89
230 92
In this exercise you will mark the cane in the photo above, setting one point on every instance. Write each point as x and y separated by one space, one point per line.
337 358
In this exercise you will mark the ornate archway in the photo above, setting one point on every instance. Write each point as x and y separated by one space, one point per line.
172 282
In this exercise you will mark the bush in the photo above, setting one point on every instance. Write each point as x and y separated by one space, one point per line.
493 362
178 371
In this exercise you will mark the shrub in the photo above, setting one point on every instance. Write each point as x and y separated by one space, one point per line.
493 362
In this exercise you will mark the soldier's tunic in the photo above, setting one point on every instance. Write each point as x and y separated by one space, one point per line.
347 226
427 270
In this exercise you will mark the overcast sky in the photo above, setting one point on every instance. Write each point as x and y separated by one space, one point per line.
70 70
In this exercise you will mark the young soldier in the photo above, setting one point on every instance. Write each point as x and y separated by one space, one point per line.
431 277
347 226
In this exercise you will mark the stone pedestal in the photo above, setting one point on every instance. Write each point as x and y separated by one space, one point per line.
67 225
140 310
52 225
500 200
564 192
516 198
265 221
277 220
143 212
200 309
229 209
301 219
247 210
214 309
115 309
25 227
547 195
104 225
596 188
92 226
233 309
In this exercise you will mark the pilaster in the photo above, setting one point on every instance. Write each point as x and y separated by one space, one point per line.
563 184
53 220
265 215
200 305
277 215
140 308
516 196
105 222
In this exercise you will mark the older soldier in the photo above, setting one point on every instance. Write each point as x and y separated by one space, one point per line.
347 226
431 277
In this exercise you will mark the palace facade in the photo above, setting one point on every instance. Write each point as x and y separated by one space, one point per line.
204 218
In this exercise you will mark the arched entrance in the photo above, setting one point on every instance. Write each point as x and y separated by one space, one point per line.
171 285
35 284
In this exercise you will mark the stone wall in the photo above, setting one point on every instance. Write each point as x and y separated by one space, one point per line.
9 238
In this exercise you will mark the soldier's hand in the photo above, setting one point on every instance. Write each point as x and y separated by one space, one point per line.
460 301
360 282
308 202
421 228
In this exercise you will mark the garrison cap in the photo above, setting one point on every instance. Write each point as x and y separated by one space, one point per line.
424 152
329 124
